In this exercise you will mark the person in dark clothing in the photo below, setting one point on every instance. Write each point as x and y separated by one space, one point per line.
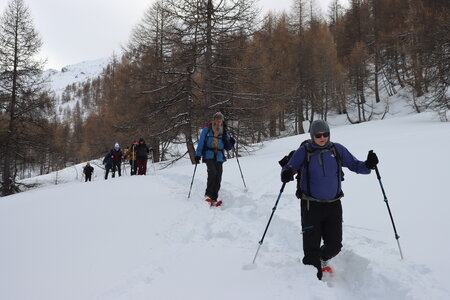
142 152
88 170
214 140
130 154
318 164
108 163
116 155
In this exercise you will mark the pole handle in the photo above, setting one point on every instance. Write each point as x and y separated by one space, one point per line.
376 168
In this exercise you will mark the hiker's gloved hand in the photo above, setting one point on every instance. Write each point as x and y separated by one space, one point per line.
286 158
372 160
197 159
287 175
232 141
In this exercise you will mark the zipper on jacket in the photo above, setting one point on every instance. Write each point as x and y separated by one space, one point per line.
323 165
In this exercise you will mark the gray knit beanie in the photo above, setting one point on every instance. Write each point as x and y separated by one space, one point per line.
318 126
218 116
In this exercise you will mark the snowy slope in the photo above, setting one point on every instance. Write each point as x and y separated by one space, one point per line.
76 73
141 238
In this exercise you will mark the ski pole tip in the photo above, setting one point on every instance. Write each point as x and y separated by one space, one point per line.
249 267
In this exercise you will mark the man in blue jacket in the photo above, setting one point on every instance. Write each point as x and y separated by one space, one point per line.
214 140
318 164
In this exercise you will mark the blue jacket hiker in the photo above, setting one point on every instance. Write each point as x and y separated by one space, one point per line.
214 141
318 163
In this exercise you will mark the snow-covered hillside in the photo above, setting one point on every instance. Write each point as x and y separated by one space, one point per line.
68 75
141 238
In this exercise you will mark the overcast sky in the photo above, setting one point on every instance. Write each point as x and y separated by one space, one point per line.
78 30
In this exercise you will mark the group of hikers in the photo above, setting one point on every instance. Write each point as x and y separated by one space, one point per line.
136 154
317 163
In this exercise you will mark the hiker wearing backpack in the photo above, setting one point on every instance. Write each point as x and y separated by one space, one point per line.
141 157
318 164
130 154
88 170
108 163
116 156
213 142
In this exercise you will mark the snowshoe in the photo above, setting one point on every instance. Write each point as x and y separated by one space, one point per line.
210 201
213 203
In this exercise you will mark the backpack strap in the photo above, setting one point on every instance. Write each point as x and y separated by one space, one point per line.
205 146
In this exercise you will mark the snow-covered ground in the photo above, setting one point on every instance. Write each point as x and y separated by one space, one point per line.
141 238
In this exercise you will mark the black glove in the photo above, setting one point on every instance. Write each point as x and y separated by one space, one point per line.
197 159
286 158
287 175
372 160
232 141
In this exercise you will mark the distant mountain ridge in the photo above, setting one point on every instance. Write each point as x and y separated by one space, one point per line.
78 73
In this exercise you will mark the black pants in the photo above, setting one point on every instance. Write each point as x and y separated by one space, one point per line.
88 177
116 164
322 221
214 178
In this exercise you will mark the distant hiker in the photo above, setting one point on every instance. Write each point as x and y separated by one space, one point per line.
130 154
88 170
141 157
318 163
108 163
116 155
214 140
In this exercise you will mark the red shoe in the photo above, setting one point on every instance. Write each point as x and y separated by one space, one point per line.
210 201
325 267
213 202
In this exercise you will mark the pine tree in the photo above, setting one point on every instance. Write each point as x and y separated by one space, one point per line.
21 86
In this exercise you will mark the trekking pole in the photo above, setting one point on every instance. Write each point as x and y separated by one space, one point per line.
389 209
192 181
270 219
240 170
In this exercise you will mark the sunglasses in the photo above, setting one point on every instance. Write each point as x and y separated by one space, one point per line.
319 135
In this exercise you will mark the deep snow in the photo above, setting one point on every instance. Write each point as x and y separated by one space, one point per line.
141 238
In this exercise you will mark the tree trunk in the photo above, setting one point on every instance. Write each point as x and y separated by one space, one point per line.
377 94
7 179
